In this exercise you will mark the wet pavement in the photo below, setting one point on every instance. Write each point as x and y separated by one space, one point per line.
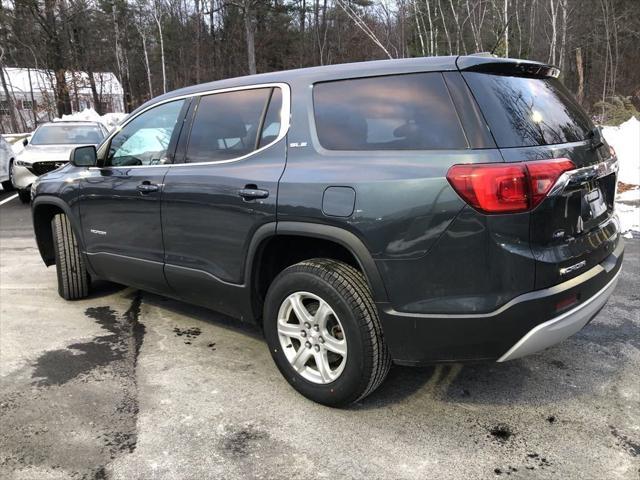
130 385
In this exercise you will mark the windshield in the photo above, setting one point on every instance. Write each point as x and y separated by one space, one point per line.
67 134
525 112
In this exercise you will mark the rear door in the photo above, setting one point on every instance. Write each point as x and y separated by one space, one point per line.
223 191
120 201
532 116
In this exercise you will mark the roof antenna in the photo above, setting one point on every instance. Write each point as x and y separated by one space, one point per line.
506 25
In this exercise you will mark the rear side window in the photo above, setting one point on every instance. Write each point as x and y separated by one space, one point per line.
525 112
400 112
271 124
229 125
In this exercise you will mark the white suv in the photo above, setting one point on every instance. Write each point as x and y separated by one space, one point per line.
49 149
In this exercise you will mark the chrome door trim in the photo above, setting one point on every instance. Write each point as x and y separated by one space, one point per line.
285 121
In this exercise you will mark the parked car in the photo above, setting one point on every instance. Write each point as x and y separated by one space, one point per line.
49 149
6 155
405 211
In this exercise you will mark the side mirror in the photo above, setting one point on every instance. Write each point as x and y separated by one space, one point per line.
84 156
25 142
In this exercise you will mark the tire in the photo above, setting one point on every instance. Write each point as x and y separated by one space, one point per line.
351 326
24 195
73 278
7 185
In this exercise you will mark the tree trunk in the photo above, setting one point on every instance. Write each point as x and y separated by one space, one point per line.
506 28
162 60
33 100
9 100
418 27
554 31
432 43
198 37
563 33
249 27
94 92
63 99
580 72
446 30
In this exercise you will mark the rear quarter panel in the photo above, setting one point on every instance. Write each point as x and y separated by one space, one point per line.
405 213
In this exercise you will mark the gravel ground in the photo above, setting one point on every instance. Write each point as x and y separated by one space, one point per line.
129 385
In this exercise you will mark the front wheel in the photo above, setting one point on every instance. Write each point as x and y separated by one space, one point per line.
7 185
323 332
73 278
24 195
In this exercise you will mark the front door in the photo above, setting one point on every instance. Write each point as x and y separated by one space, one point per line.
225 189
120 200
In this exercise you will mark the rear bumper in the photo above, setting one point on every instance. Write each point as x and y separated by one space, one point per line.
561 327
524 325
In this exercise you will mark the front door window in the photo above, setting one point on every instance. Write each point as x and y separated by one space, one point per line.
146 139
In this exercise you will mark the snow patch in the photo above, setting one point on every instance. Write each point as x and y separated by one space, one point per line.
625 139
110 120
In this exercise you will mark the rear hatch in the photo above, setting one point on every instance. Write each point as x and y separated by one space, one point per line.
533 117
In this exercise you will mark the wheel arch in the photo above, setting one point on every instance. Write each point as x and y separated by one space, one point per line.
43 209
328 240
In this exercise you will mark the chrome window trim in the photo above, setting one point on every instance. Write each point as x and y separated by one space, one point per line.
285 121
580 175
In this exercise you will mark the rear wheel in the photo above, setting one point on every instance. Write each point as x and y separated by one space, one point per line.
73 278
24 195
323 332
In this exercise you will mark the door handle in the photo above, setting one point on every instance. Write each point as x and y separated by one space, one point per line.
252 193
148 187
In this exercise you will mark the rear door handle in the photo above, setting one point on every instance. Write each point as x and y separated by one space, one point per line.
253 193
148 187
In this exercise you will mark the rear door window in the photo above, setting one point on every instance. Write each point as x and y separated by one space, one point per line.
525 111
230 125
271 125
397 112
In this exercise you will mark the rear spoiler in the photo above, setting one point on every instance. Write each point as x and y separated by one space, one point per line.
505 66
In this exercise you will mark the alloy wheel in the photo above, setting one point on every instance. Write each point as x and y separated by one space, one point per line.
312 337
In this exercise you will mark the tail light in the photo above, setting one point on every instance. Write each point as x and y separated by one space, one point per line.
507 188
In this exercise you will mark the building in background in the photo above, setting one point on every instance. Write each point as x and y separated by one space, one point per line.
33 94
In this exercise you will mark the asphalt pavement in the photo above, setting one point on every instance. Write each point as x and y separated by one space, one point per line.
130 385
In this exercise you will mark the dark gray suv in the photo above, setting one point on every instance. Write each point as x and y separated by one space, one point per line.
405 211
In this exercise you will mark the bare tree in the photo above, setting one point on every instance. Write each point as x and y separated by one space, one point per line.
141 28
506 28
8 97
358 19
248 9
594 42
580 73
157 12
553 14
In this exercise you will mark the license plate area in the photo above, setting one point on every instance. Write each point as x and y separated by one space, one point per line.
593 204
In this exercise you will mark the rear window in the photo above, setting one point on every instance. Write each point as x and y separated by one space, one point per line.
525 112
401 112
